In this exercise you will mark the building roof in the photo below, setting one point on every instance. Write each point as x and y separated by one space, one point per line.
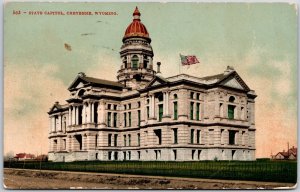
217 77
102 81
95 81
136 28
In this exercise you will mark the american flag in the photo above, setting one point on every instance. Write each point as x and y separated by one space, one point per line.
188 60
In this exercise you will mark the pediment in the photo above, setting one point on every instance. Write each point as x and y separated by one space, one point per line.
54 108
235 81
80 85
157 81
77 83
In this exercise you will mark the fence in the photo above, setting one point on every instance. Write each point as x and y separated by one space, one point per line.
275 171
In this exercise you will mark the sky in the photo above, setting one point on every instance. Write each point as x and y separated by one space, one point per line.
258 40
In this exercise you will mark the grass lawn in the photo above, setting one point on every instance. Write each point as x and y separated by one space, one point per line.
274 171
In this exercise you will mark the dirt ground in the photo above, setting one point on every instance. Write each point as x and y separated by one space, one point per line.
36 179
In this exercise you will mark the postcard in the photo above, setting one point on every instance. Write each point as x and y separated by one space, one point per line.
165 95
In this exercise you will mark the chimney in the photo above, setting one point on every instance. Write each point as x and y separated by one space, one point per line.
158 67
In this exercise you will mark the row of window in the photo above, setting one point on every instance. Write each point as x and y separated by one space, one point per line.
135 62
195 154
195 96
126 140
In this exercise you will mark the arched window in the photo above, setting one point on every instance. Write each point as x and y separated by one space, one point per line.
231 99
134 61
175 96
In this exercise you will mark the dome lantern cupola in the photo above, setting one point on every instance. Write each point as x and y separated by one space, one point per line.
136 54
136 28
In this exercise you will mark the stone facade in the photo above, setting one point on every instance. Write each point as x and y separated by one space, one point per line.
144 116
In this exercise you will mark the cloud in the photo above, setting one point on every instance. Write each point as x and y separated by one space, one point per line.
29 92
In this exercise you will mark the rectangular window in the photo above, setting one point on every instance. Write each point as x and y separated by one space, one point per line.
108 119
160 112
96 140
198 136
148 112
115 139
175 111
116 155
125 120
109 155
158 135
115 119
192 136
198 111
124 107
193 154
129 155
129 140
199 154
124 140
175 154
129 116
139 139
109 139
108 106
198 96
231 137
129 106
115 107
192 110
139 118
139 155
231 112
175 133
222 136
139 104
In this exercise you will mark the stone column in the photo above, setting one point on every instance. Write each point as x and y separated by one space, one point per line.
73 115
101 114
53 123
59 125
164 103
76 115
182 104
83 113
167 102
69 115
92 111
150 65
88 113
152 108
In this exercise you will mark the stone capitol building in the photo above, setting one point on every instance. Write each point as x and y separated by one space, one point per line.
144 116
